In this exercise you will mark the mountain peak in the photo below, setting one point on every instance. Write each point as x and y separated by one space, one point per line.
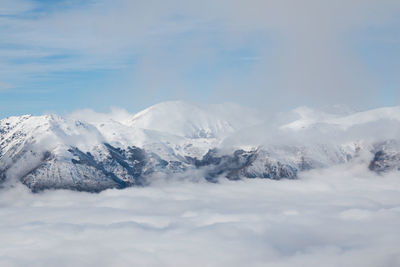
182 119
95 151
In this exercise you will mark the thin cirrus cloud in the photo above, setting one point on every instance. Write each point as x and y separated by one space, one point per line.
307 51
5 86
10 7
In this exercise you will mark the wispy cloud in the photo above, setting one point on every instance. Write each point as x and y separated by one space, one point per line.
306 51
15 7
5 86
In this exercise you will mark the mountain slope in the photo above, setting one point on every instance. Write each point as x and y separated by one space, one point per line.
176 139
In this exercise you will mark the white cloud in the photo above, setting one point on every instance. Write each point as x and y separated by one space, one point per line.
13 7
116 114
312 58
343 216
6 86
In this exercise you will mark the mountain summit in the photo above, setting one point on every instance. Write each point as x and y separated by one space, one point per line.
93 152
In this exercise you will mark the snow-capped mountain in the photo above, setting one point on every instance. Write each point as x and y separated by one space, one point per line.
90 151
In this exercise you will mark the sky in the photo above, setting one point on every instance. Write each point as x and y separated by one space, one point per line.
63 55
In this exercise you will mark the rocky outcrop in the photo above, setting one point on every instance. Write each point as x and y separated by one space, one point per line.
178 140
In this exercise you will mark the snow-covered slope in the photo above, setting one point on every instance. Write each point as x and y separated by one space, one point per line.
309 117
182 119
91 151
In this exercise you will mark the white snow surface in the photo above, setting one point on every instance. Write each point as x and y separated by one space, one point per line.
177 129
174 126
181 128
309 117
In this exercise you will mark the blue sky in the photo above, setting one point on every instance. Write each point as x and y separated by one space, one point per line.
59 56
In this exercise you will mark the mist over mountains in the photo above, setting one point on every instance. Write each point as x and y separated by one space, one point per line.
90 151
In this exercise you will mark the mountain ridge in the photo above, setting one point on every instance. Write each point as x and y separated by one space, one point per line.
179 139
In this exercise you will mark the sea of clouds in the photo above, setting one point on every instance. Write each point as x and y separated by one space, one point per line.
341 216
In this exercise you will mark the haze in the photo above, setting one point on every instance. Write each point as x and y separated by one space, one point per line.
59 56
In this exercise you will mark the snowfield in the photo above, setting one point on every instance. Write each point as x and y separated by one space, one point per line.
341 216
89 151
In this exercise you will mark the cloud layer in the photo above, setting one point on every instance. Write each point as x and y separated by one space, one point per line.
343 216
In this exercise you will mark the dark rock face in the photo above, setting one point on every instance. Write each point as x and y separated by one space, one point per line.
2 176
88 160
126 168
133 166
241 165
384 161
386 156
114 167
278 171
